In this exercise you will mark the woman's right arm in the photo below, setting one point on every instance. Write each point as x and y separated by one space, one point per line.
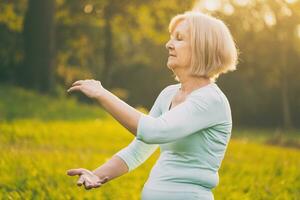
113 168
131 156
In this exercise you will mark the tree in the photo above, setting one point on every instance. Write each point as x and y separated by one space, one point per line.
39 46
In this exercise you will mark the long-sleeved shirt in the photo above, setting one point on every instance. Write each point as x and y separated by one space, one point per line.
193 137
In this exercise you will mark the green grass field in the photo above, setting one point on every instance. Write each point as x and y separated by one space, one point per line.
36 152
35 156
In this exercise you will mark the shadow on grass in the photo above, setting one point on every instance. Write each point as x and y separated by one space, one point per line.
280 139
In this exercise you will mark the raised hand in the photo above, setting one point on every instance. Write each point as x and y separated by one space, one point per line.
90 88
87 178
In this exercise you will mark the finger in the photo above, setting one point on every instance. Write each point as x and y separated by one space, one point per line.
80 181
97 185
88 188
104 180
74 88
74 172
77 83
88 185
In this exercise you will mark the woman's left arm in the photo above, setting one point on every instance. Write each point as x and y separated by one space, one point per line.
121 111
197 112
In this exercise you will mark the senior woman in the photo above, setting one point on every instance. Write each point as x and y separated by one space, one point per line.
189 121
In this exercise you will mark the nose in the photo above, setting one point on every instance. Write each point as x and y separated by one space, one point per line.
169 45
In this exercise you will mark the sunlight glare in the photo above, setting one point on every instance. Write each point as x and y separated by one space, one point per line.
269 18
298 30
242 2
88 8
291 1
285 11
212 5
228 9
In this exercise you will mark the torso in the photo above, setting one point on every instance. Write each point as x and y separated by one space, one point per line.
177 99
183 164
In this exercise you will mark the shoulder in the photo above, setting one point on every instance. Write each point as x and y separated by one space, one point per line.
210 92
210 95
170 89
212 100
166 92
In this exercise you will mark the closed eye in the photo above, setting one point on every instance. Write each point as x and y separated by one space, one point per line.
177 36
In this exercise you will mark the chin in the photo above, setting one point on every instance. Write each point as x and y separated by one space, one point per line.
171 65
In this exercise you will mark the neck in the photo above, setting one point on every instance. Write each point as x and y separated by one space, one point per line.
190 83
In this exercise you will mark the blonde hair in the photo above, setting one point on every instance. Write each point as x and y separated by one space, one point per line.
213 48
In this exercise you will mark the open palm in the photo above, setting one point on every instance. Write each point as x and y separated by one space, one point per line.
87 178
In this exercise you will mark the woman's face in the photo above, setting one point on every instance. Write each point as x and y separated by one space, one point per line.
179 47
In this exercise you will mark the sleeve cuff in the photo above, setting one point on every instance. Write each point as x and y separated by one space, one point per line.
141 127
126 158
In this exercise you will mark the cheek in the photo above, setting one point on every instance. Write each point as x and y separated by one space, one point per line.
187 54
184 49
183 52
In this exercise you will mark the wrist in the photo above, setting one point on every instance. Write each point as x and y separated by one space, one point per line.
98 174
103 178
100 96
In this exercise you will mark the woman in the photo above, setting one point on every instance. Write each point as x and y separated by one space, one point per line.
190 121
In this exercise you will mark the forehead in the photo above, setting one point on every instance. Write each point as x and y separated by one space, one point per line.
181 27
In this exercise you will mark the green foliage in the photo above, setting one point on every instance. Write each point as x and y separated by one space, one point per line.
12 14
253 171
17 103
276 136
266 32
35 156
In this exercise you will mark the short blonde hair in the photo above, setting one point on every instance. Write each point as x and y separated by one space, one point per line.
213 48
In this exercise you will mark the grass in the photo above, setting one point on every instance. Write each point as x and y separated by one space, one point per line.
18 103
41 137
35 156
276 137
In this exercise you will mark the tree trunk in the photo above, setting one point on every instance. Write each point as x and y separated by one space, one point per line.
39 46
286 114
108 47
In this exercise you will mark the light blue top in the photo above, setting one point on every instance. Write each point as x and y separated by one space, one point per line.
192 136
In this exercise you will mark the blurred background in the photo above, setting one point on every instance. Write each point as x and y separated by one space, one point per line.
46 45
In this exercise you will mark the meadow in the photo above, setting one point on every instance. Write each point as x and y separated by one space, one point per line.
36 151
